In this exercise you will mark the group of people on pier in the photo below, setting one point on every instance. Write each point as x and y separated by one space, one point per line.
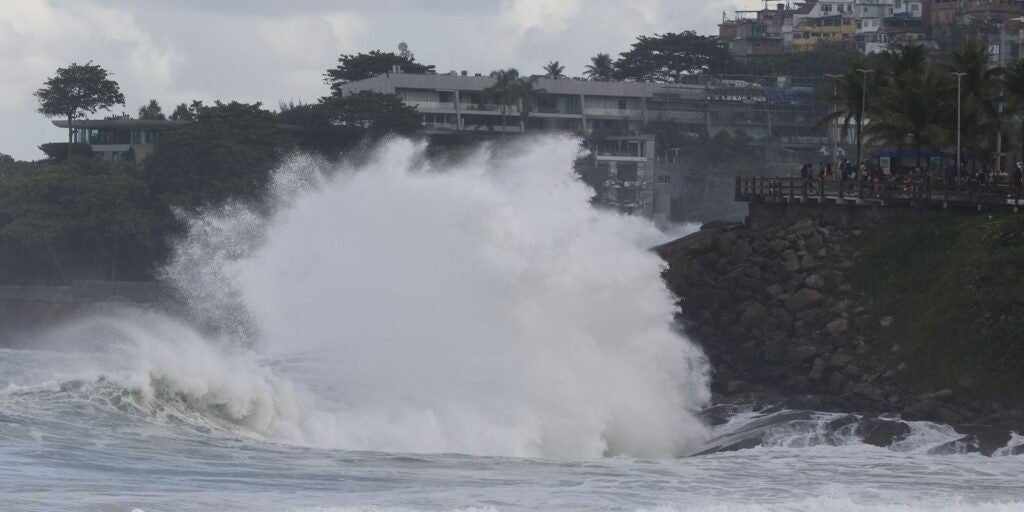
872 172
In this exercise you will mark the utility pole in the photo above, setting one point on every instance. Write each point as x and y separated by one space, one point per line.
958 77
860 121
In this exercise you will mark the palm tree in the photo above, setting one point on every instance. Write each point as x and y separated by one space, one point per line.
905 105
527 98
849 98
1013 85
503 92
910 105
510 90
554 70
600 68
978 97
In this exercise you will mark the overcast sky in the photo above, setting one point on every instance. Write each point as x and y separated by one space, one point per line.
277 50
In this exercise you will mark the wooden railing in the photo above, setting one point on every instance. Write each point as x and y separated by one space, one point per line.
917 193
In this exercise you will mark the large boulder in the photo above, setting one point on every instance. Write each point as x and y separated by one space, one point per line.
879 432
753 315
803 299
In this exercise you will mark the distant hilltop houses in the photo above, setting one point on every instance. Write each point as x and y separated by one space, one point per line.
873 26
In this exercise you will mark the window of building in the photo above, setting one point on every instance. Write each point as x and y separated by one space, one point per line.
664 179
626 171
622 104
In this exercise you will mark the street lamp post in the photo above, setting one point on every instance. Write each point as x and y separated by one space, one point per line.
860 121
834 129
958 77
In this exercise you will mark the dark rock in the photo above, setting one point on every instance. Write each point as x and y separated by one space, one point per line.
803 299
753 315
801 353
837 382
778 245
883 433
870 392
814 282
817 369
838 326
985 442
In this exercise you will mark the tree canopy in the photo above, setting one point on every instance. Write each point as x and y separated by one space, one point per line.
187 112
672 57
82 218
554 70
77 90
361 66
151 111
376 112
601 67
228 152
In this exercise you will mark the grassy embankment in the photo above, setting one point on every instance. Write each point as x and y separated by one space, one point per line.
955 287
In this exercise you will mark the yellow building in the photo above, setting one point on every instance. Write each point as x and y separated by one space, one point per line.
825 29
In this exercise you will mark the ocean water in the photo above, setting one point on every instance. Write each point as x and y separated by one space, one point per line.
394 336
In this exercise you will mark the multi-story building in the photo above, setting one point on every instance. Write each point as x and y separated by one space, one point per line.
119 139
779 113
837 28
944 15
756 33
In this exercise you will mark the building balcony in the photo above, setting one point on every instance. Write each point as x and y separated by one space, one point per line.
433 106
623 113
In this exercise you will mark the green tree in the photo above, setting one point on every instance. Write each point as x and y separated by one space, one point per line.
75 91
378 113
6 162
1013 86
303 114
672 57
510 91
152 111
822 59
978 93
601 68
228 152
187 112
82 218
361 66
554 70
849 99
910 103
503 92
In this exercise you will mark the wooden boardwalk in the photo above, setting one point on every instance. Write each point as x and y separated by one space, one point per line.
918 194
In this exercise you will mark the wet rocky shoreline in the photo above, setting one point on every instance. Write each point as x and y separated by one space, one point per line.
783 326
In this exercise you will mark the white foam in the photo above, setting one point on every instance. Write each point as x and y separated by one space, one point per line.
485 308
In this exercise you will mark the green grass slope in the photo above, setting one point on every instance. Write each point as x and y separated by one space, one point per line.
955 287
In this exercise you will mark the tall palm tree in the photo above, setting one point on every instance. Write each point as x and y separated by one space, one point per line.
1013 86
503 92
510 90
554 70
849 98
910 107
978 96
905 107
527 98
600 68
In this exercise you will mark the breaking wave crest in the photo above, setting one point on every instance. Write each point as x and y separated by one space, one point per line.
484 308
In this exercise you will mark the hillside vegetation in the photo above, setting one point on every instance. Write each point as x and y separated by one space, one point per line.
955 288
